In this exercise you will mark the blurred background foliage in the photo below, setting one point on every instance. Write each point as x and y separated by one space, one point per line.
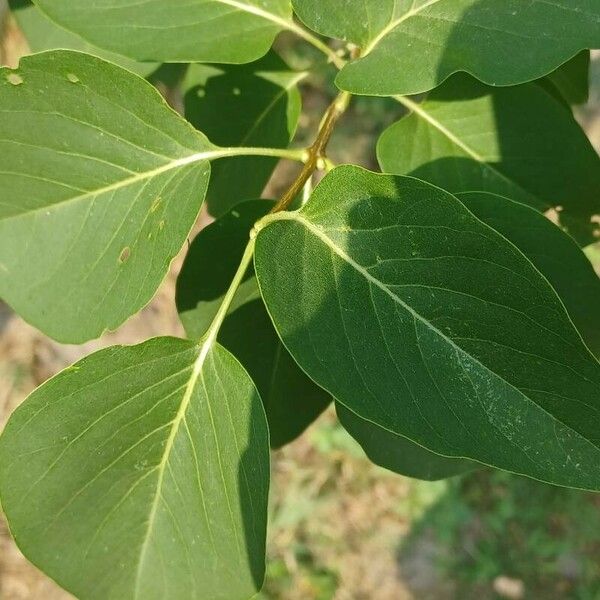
340 527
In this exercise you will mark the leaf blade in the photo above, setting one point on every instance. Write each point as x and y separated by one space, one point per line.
104 162
426 42
130 479
516 142
449 356
228 31
257 104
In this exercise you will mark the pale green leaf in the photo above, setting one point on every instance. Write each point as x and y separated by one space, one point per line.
142 472
398 454
292 401
229 31
554 254
518 142
356 21
42 34
249 105
101 183
420 318
501 42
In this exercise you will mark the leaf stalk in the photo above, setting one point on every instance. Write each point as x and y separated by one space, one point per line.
316 154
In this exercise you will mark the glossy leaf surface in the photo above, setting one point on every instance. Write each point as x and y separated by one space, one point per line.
517 142
501 42
42 34
292 401
249 105
229 31
142 472
101 183
417 316
398 454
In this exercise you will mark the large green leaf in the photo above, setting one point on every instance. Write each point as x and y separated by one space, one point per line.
142 472
501 42
229 31
398 454
292 401
417 316
249 105
42 34
554 254
101 183
517 142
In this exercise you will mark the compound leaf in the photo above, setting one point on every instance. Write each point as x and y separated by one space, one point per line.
420 318
249 105
397 453
517 142
42 34
229 31
142 472
292 401
101 183
501 42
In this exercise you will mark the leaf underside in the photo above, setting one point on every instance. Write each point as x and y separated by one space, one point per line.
42 34
227 31
142 472
101 184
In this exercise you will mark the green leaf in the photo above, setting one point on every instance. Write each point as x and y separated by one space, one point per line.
571 81
420 318
554 254
292 401
353 21
250 105
516 142
42 34
142 472
501 42
398 454
101 182
228 31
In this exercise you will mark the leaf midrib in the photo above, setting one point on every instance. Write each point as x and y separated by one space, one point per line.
138 177
320 234
204 349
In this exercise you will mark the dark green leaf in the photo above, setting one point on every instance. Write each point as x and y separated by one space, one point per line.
420 318
229 31
517 142
501 42
292 401
398 454
42 34
142 472
554 254
249 105
571 82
